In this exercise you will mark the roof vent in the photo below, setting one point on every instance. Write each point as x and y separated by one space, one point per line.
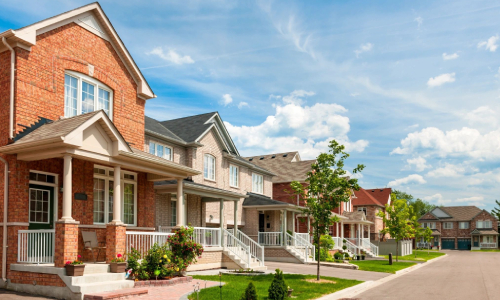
285 155
262 158
274 156
373 191
250 159
381 190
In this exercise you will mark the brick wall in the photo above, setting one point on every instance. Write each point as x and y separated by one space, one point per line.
4 96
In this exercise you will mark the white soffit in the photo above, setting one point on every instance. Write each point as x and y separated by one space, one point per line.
92 22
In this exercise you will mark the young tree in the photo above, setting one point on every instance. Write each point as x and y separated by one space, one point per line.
327 186
419 232
398 222
427 235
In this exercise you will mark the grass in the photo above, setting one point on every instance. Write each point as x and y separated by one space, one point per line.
421 255
381 265
486 250
302 290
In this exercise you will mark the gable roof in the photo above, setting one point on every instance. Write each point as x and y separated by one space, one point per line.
364 197
383 195
155 127
287 166
90 17
256 200
456 213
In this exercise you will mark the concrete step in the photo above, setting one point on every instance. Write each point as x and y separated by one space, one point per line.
100 287
97 277
117 295
96 268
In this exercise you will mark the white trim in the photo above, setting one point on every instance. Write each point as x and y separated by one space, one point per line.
156 143
205 156
55 185
445 225
262 177
29 207
237 176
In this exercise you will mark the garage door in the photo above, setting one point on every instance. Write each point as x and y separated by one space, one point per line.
464 244
448 243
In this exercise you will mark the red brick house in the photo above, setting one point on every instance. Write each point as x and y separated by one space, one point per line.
72 142
461 227
371 202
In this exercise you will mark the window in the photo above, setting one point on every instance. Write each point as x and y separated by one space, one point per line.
42 177
160 150
233 176
173 209
488 239
257 184
209 167
39 206
84 94
448 225
464 225
103 196
431 225
363 209
483 224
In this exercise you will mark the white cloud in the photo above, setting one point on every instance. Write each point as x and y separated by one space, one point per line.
299 38
482 116
410 179
448 170
438 199
411 127
294 126
357 175
363 48
455 143
172 56
490 44
419 162
242 104
419 21
450 56
441 79
226 99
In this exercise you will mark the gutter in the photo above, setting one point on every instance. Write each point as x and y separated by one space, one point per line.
5 206
12 70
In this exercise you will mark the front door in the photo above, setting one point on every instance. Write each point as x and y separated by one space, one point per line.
262 221
476 241
41 207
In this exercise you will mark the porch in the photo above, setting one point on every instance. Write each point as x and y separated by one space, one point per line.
484 239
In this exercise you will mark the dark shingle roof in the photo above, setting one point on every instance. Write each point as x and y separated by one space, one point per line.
156 127
256 199
457 213
189 128
282 165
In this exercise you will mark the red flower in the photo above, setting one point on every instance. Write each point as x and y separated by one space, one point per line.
118 255
79 256
68 262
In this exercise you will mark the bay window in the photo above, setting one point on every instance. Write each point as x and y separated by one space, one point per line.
257 184
84 94
233 176
209 167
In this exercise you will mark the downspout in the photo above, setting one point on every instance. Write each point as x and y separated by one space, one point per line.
12 70
5 205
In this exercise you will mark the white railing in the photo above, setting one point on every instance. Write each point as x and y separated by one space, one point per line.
207 237
488 245
338 242
36 246
424 245
374 249
270 238
256 250
352 248
237 247
165 229
305 236
302 247
143 241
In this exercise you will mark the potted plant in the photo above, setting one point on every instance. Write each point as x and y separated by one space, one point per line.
290 292
75 268
363 255
118 264
344 247
358 257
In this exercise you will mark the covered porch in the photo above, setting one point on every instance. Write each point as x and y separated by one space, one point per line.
484 239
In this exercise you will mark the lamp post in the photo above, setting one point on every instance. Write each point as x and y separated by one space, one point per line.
220 285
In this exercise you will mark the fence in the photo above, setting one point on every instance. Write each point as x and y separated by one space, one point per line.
36 246
271 238
143 241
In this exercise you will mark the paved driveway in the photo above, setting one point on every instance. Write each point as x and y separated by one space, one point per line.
460 275
325 271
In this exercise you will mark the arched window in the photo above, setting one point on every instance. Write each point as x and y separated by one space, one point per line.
84 94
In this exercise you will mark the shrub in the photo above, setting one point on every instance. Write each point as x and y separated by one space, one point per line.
338 256
326 242
156 265
344 247
278 289
250 293
185 251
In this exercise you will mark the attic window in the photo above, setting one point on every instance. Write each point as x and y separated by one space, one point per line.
274 156
285 155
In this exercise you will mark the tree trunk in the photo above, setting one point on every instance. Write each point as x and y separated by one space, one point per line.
318 252
397 250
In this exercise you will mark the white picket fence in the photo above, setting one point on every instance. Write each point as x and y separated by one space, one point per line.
36 246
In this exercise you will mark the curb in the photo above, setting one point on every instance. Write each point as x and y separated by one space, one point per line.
363 287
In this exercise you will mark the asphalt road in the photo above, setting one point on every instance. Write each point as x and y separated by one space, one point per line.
461 275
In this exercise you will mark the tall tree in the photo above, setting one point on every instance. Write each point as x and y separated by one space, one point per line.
327 186
398 221
419 207
496 210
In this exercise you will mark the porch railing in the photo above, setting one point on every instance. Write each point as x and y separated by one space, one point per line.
165 229
424 245
143 241
305 236
338 242
488 245
302 247
256 250
237 247
270 238
374 249
207 237
352 248
36 246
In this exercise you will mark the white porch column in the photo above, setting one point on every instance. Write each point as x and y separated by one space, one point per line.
309 224
342 230
180 203
284 227
67 189
117 196
235 218
221 221
369 231
337 229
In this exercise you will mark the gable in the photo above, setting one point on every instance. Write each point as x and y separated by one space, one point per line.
96 140
440 213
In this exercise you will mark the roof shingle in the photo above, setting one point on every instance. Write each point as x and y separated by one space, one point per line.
287 166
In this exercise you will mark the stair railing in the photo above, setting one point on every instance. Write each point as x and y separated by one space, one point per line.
305 249
237 247
256 250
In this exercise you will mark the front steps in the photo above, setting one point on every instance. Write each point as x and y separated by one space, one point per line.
299 255
254 264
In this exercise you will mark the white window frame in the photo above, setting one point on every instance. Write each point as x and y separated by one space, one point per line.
488 239
173 216
207 173
463 227
107 178
483 224
255 185
447 225
431 225
236 176
97 85
29 209
155 150
363 209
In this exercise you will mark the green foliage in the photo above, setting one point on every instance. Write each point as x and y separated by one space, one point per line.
496 211
250 293
278 289
326 242
185 251
157 263
419 207
338 256
327 186
398 221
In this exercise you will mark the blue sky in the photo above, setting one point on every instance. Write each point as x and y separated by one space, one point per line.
412 88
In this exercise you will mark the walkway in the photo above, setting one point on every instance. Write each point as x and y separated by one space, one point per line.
325 271
460 275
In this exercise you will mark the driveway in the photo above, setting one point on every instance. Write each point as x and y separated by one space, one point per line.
459 275
325 271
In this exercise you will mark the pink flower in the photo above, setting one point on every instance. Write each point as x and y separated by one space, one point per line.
118 255
68 262
79 256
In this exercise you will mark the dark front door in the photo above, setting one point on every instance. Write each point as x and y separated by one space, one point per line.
41 207
476 241
464 244
262 222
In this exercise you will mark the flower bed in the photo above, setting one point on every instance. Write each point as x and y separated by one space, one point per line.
162 282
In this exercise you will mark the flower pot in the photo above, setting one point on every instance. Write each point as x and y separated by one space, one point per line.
74 270
118 267
363 257
358 258
290 292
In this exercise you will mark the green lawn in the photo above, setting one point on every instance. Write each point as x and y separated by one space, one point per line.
381 265
302 290
486 250
421 255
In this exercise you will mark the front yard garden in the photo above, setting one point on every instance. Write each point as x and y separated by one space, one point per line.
381 265
302 285
422 255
